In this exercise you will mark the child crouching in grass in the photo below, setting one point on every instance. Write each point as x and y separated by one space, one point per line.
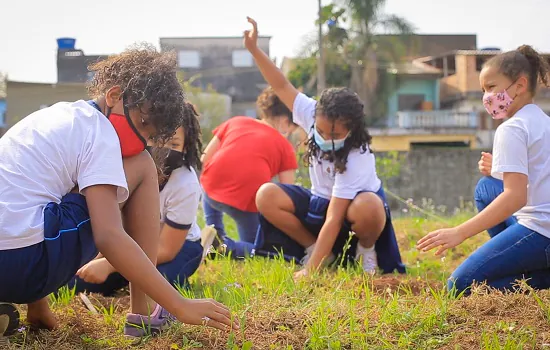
518 216
180 251
346 194
75 179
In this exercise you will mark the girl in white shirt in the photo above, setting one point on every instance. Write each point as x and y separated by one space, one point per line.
180 250
520 215
346 194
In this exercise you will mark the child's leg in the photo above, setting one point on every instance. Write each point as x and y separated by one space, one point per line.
140 215
184 264
487 190
515 253
279 209
247 222
213 217
367 217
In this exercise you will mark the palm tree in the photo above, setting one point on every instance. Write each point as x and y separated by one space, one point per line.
367 51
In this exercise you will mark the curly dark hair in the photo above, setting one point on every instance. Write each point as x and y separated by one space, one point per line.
270 105
192 146
524 60
344 105
144 75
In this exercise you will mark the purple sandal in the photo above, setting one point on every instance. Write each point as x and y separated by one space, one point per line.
138 326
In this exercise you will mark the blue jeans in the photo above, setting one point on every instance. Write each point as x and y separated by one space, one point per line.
514 252
247 222
177 272
487 189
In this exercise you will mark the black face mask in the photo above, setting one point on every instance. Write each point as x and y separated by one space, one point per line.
173 161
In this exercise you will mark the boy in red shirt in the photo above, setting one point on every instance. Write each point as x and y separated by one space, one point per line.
244 154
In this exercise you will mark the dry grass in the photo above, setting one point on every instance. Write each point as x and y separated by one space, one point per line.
340 309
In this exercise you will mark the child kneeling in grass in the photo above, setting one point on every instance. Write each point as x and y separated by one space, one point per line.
346 193
75 178
518 216
180 251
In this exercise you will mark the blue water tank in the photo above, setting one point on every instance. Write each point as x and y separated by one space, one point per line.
66 43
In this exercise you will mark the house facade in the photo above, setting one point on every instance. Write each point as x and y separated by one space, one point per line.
223 64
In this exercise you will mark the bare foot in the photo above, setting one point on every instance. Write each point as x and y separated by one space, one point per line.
40 316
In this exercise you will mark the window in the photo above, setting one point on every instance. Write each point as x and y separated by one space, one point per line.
242 58
189 59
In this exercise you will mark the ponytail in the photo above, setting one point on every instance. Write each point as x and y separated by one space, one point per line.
539 67
523 61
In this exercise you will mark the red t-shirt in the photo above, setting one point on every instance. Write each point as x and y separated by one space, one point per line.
251 153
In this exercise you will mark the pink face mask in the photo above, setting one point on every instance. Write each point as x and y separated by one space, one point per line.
497 103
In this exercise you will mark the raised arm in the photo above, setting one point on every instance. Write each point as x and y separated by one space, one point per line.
274 77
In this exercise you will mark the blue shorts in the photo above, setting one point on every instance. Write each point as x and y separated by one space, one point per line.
32 273
311 211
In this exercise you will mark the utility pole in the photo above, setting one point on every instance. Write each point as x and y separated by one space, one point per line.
321 58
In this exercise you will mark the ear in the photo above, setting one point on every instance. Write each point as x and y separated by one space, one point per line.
113 96
522 85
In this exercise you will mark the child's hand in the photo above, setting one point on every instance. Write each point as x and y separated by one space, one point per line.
300 275
485 163
207 312
251 36
96 271
445 239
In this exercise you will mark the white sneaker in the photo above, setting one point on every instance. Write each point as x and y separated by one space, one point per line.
309 250
367 258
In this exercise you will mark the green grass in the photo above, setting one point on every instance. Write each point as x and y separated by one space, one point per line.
341 308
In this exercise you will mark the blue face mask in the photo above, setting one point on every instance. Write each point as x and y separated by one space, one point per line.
326 145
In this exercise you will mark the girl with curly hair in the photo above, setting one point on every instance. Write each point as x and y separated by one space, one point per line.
346 196
180 251
75 179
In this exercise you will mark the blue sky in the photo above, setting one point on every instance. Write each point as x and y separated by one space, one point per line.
28 46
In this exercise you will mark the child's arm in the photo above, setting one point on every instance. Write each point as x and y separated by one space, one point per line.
170 243
213 147
287 177
274 77
510 162
128 258
505 205
336 214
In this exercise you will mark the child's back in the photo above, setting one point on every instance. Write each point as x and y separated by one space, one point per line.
44 156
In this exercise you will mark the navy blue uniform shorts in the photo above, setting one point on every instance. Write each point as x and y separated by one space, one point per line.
31 273
311 211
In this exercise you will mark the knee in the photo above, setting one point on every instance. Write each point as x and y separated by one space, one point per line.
488 188
366 206
459 284
267 196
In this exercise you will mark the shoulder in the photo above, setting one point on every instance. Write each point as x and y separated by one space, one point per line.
183 182
303 103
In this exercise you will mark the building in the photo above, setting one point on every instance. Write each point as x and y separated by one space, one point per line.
223 64
460 90
24 98
72 63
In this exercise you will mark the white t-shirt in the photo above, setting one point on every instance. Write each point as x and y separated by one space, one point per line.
522 145
179 202
47 154
360 174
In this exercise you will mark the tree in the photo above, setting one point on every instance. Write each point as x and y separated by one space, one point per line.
370 53
356 55
212 106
